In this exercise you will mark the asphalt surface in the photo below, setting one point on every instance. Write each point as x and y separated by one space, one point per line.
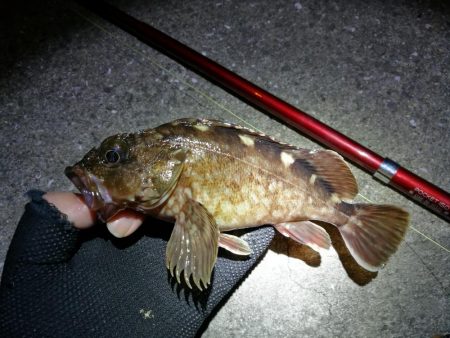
378 72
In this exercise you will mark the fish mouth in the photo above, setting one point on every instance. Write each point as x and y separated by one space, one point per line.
88 187
95 194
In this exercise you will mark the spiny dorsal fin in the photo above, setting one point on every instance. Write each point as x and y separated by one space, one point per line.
330 169
326 167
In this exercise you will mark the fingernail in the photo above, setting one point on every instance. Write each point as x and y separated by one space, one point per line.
118 229
123 227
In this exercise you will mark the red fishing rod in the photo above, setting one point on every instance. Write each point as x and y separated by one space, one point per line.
406 182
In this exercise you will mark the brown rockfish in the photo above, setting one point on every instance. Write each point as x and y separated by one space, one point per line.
211 177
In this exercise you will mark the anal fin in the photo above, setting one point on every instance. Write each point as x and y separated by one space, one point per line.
305 232
193 245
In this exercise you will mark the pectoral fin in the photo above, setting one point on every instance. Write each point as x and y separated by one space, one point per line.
305 232
193 245
234 244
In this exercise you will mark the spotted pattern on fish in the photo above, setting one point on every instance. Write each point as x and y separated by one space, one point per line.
246 191
247 140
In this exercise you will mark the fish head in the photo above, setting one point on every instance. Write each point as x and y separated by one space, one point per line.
134 171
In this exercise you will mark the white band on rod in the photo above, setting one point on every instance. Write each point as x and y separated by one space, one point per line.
386 171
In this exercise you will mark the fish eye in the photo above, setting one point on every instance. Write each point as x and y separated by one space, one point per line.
115 151
112 156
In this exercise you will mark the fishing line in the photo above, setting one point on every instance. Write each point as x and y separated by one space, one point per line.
158 65
208 98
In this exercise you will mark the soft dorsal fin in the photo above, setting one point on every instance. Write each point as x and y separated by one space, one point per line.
328 168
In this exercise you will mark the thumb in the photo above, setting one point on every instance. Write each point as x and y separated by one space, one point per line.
125 223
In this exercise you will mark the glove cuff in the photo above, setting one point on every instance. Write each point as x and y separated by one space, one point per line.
43 235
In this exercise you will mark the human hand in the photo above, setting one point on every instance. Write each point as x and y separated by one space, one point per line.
121 225
61 281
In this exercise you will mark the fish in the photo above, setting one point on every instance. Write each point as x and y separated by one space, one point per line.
210 177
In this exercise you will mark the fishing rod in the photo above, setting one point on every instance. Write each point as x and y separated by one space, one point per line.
386 170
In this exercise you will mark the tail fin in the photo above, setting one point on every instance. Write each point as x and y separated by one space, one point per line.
373 232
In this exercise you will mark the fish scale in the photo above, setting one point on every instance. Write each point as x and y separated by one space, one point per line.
251 167
242 200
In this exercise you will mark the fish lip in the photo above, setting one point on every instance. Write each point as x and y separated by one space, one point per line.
95 195
81 179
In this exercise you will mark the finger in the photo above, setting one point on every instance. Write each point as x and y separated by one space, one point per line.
73 206
125 223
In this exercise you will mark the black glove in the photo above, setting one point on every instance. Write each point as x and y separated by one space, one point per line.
62 282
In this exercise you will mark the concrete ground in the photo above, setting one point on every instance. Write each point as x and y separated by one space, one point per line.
376 71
